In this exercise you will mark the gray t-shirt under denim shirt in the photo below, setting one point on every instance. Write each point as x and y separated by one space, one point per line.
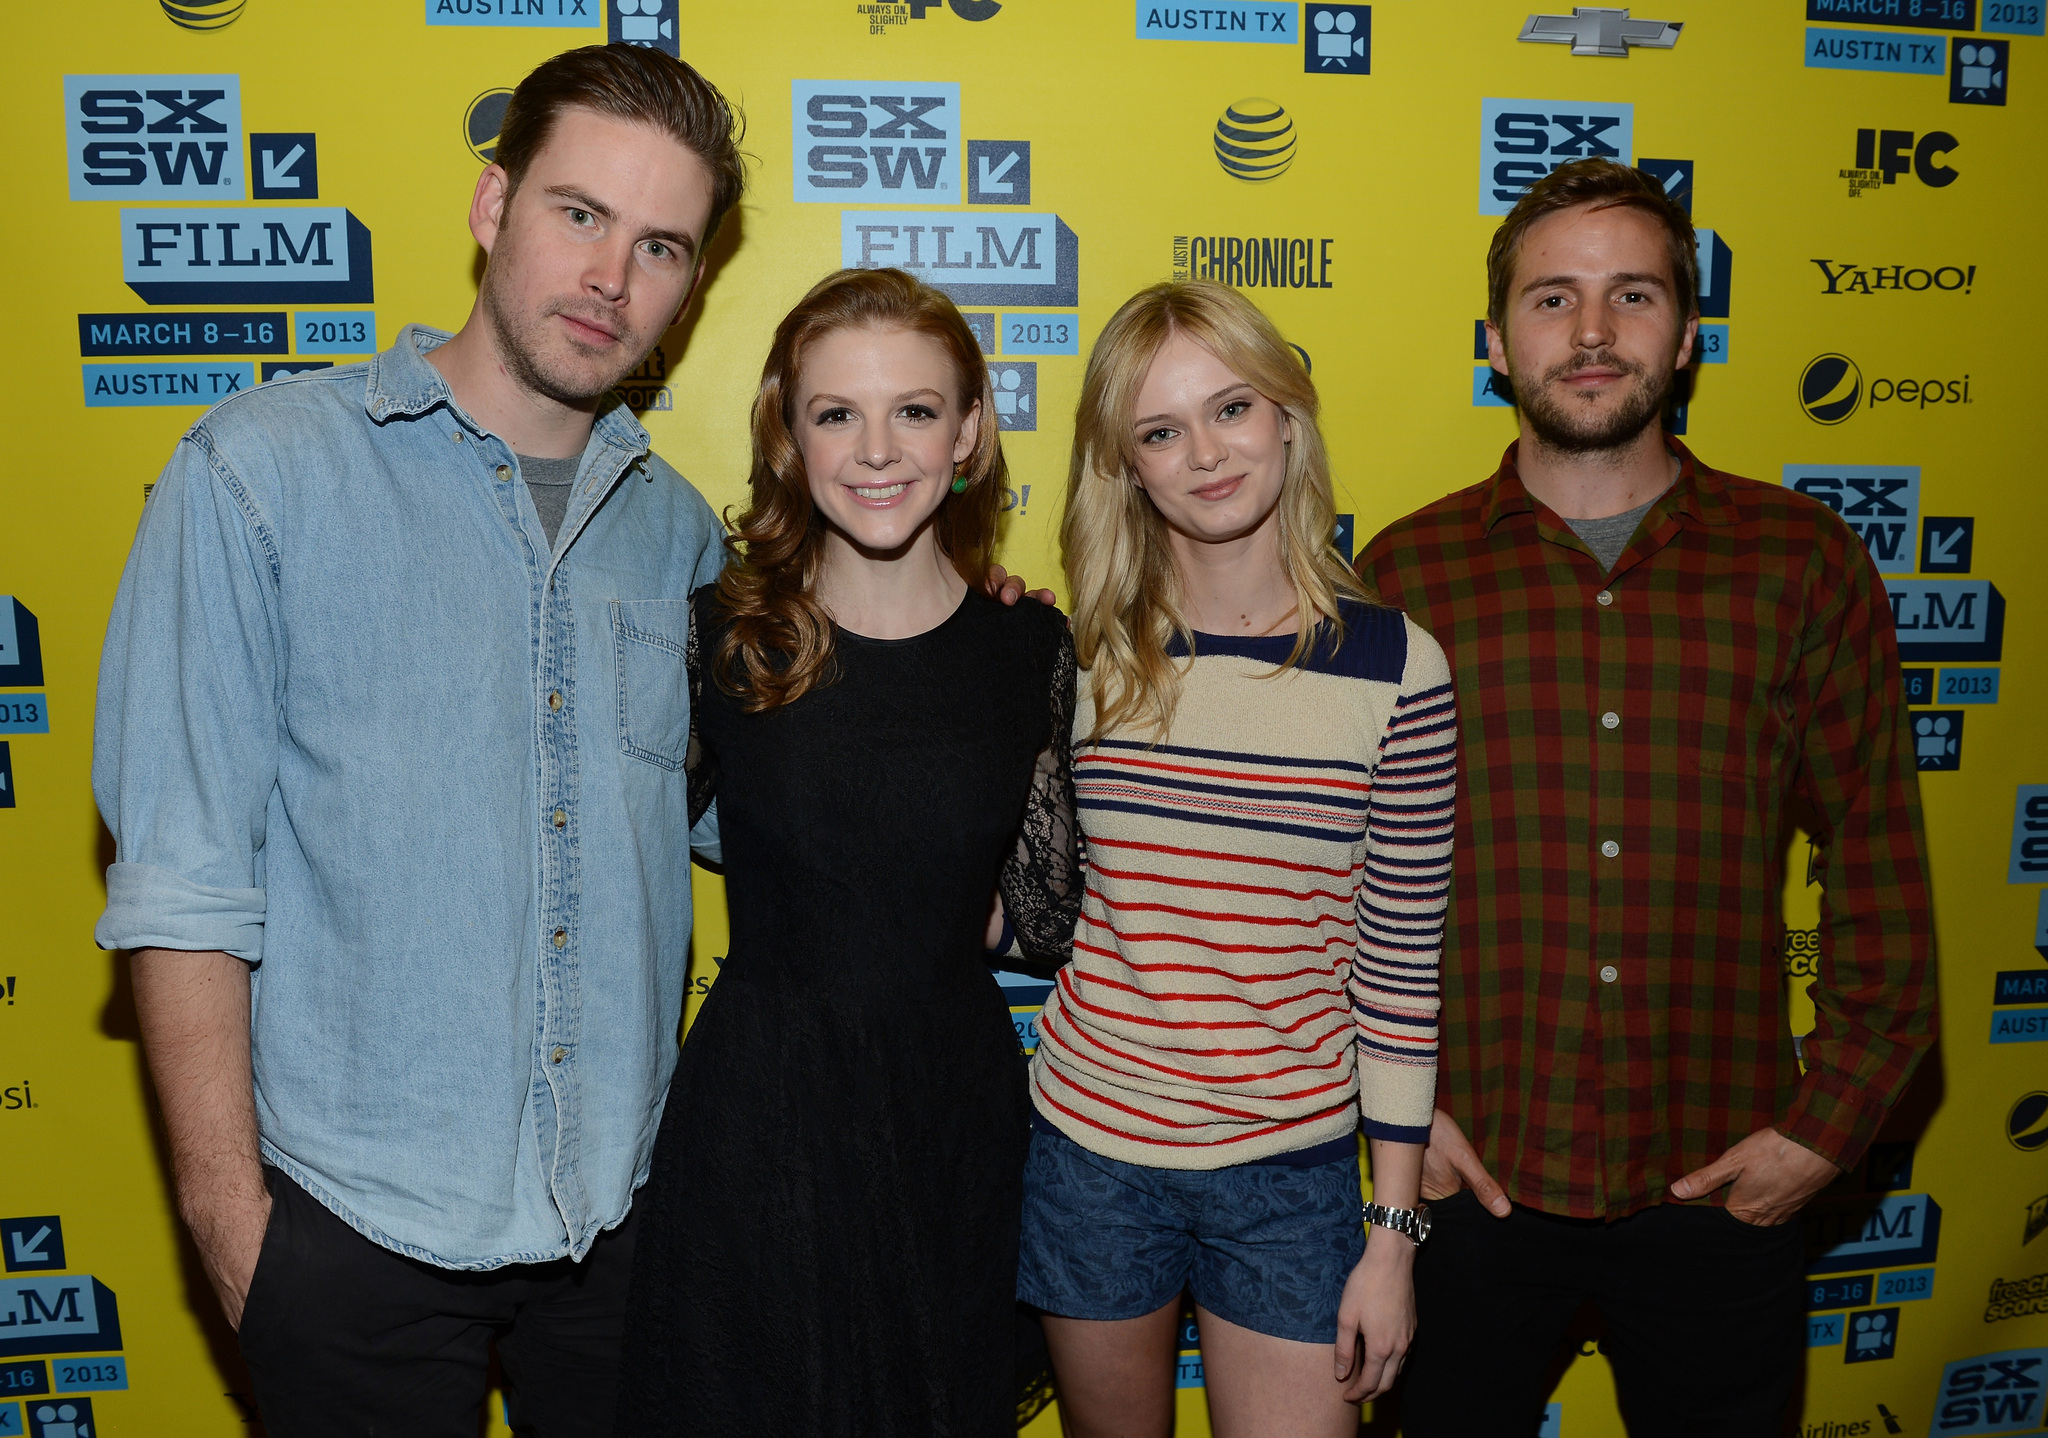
1605 537
550 482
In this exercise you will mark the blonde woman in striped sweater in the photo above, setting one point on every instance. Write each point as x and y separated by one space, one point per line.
1264 764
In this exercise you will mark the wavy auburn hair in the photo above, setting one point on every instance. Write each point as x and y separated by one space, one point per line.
1125 586
778 645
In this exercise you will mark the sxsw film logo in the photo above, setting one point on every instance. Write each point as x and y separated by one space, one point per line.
2028 862
650 24
1676 176
1881 502
999 172
1938 739
1337 40
47 1314
1016 391
32 1243
1871 1336
1030 260
305 255
21 645
284 167
1521 141
856 140
1884 155
1990 1393
68 1416
1956 620
154 137
1976 71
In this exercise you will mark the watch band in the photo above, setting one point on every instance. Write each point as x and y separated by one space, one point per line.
1410 1222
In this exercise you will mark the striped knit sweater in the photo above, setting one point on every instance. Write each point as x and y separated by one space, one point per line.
1255 968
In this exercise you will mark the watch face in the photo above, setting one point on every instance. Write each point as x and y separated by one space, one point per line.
1421 1222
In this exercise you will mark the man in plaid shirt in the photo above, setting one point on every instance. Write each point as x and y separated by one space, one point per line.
1661 668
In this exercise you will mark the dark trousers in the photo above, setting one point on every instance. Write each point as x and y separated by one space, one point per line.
1704 1318
346 1338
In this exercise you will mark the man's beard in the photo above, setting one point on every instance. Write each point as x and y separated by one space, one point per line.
1561 426
521 341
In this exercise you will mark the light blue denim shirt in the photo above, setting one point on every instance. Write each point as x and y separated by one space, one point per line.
359 727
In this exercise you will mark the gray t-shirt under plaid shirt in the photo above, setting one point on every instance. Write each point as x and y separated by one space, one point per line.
1605 537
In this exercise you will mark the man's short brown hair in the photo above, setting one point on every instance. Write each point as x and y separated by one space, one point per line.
1604 185
628 82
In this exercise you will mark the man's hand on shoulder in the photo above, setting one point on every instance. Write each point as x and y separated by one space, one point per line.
1009 587
1773 1177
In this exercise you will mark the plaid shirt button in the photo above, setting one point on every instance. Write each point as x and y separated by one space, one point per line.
1610 848
1611 719
1609 973
1605 596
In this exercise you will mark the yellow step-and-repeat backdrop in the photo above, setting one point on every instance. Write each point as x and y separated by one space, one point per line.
1866 177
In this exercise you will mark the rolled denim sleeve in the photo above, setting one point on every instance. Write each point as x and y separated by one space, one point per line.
185 736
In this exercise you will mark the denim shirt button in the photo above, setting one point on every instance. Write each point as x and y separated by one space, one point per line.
560 1054
561 818
561 938
504 471
555 700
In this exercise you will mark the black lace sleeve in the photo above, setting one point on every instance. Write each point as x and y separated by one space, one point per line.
699 765
1041 882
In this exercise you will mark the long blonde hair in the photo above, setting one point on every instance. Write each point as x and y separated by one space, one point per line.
1125 587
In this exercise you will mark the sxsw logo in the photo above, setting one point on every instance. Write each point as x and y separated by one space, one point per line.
303 255
871 140
1958 620
57 1315
999 172
154 137
976 258
1845 1236
1521 141
1991 1393
1881 502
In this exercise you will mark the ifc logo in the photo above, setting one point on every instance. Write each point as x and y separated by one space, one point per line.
202 14
1830 388
482 121
1255 141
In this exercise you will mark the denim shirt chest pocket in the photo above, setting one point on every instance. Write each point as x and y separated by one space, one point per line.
650 637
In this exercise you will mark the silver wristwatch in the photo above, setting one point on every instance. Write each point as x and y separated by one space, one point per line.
1412 1221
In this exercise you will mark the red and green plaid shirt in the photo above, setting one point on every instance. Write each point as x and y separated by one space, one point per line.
1635 748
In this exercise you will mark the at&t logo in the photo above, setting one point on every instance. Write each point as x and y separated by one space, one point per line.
202 14
1254 140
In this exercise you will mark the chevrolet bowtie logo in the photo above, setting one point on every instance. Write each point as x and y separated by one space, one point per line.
1590 30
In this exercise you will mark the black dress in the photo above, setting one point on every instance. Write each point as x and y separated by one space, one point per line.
828 1241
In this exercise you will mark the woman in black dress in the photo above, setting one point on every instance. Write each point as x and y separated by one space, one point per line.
828 1241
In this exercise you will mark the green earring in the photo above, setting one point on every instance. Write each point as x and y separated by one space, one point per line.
959 484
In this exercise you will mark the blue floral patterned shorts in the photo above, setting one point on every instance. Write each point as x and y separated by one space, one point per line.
1265 1246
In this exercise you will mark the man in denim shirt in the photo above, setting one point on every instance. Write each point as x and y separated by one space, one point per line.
394 766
